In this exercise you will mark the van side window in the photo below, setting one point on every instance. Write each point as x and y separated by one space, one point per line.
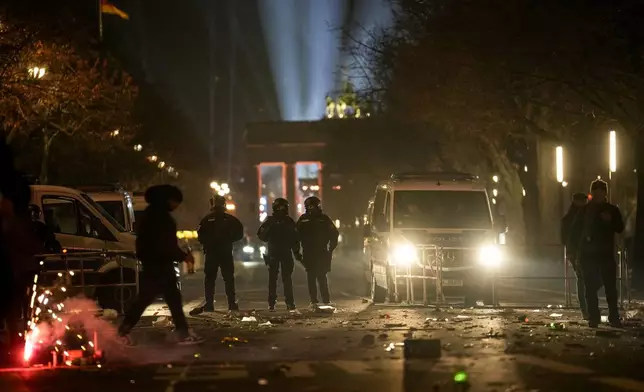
61 214
87 225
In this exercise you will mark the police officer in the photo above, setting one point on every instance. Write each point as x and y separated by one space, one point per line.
43 232
319 238
594 230
280 233
217 233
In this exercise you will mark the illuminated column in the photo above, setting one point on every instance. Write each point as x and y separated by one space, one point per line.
291 188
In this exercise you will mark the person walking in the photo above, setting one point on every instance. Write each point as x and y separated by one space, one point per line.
157 248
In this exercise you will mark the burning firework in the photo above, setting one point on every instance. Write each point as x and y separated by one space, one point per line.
55 334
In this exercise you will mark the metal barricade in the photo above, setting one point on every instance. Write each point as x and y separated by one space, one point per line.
622 281
84 271
430 263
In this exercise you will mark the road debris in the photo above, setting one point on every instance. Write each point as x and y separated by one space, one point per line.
249 319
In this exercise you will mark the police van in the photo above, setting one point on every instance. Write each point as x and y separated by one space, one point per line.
82 225
438 225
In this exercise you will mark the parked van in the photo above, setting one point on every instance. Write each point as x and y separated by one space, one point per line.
82 225
418 218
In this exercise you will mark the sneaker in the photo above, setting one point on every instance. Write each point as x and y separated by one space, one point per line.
126 341
313 306
233 307
271 308
190 340
291 307
616 323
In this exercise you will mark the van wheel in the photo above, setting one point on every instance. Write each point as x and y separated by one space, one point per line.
378 293
112 297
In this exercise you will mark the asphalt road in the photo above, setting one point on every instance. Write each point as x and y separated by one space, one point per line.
359 346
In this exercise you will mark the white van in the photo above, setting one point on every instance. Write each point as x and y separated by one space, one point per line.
414 218
81 225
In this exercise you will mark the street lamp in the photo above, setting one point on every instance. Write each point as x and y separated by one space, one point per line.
214 185
612 151
559 163
37 72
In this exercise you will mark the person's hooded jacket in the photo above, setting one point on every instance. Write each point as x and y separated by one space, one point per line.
156 242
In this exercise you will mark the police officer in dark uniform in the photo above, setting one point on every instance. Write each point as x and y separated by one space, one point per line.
217 233
280 233
319 238
594 230
43 232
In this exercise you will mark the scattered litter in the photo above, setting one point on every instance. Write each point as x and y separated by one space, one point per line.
110 314
604 319
196 311
367 340
480 303
460 317
468 345
325 309
345 323
231 341
266 324
422 348
249 319
557 326
523 318
262 381
556 315
162 322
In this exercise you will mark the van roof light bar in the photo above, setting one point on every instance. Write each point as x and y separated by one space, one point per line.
115 187
434 176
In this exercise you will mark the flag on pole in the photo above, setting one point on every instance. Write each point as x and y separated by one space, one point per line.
109 8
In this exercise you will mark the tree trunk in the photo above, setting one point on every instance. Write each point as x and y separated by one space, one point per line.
47 139
512 192
636 260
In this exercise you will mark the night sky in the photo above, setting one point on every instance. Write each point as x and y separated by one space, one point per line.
285 56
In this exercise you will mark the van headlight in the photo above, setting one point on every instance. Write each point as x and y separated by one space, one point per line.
248 249
404 254
490 256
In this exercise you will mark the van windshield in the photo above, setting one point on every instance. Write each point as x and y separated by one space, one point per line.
441 210
105 214
115 209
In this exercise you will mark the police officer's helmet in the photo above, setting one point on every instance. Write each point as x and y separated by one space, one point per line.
218 202
280 205
312 204
34 211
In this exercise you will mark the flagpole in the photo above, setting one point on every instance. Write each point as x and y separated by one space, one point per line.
100 21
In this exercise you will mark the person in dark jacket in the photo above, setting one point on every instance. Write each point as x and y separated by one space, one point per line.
280 234
578 201
217 232
157 248
594 230
43 232
319 238
18 246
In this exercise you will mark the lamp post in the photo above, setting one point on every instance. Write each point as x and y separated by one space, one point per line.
559 172
612 163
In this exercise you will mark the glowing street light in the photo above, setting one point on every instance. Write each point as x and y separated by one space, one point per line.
559 163
138 147
37 72
495 178
161 165
114 133
612 151
153 158
214 185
